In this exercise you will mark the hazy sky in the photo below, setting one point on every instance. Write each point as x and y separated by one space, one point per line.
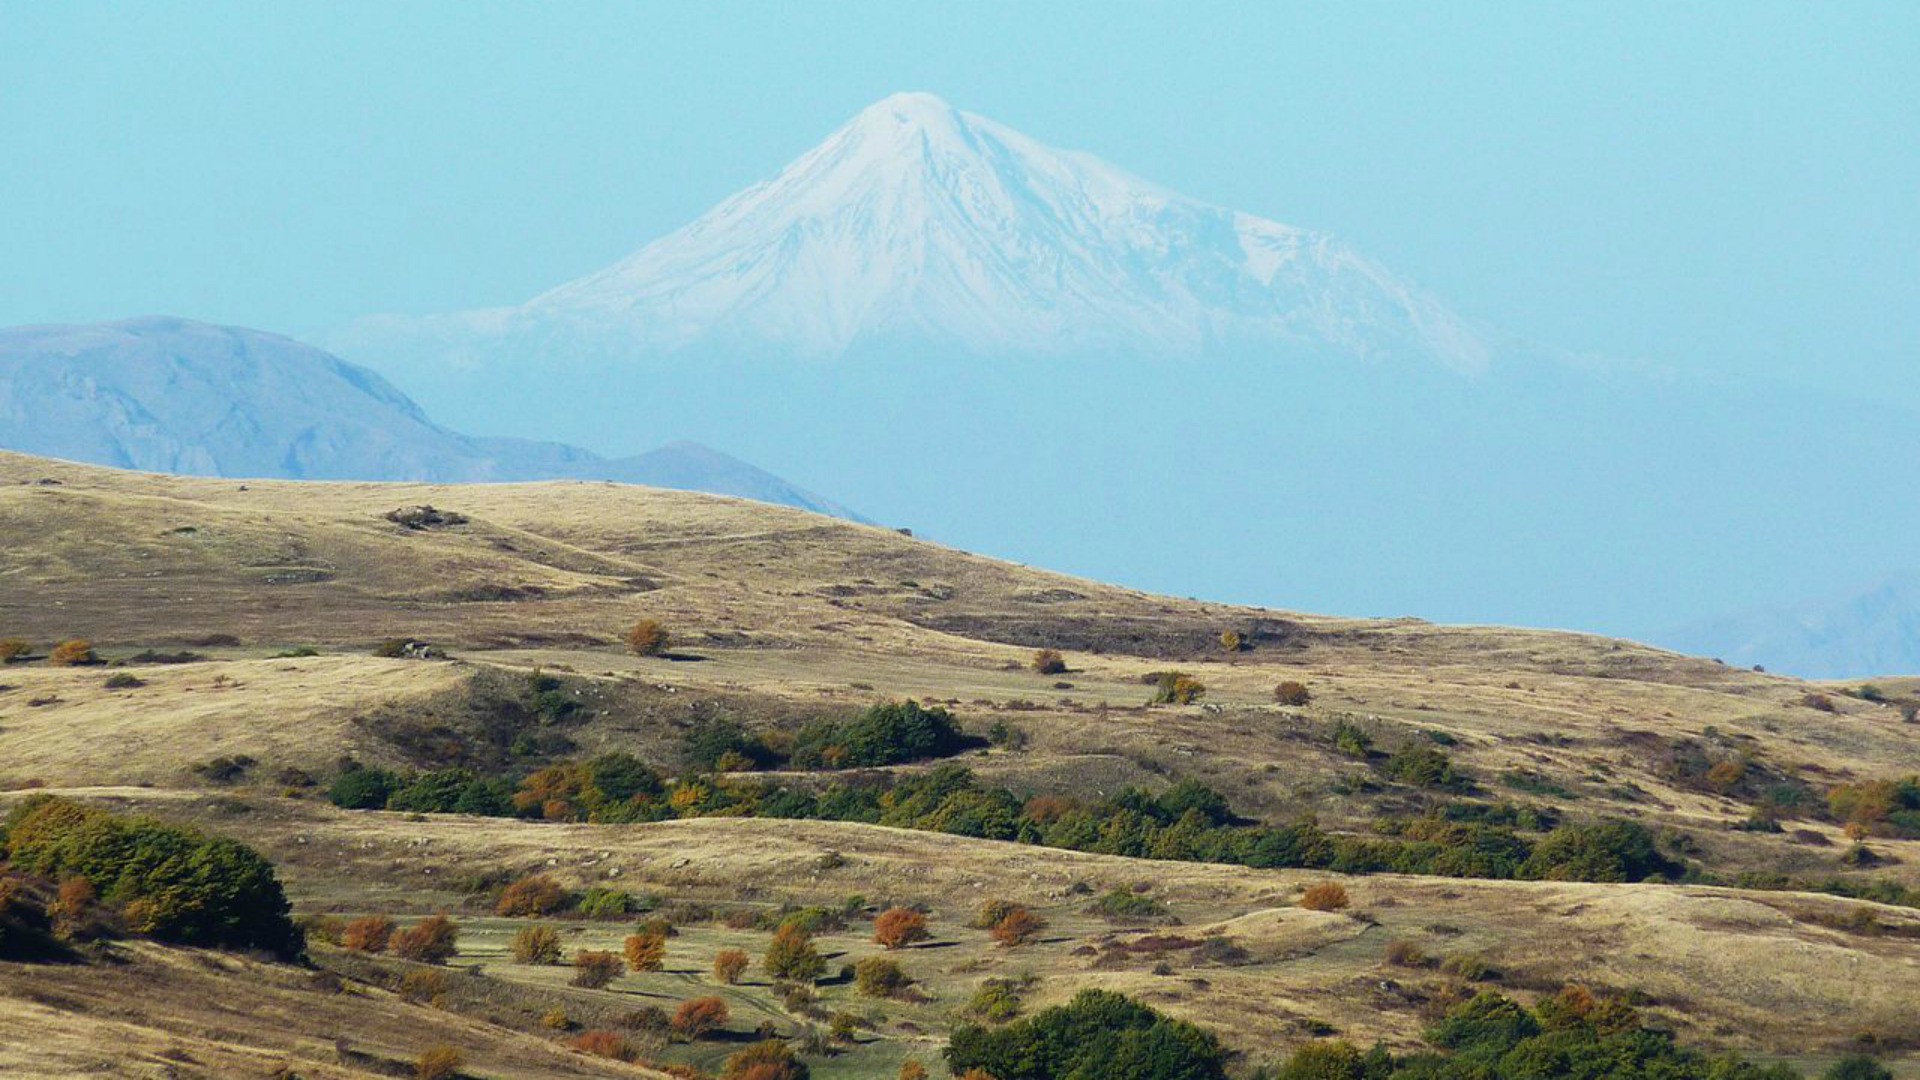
1728 186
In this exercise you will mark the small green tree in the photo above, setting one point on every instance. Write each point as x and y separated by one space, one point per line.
792 955
879 977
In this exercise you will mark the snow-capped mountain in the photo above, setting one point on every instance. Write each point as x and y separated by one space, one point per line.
171 395
1029 352
917 225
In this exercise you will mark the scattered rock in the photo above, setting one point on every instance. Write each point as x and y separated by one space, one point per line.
425 517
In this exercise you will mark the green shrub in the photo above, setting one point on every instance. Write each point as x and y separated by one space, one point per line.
1339 1060
1098 1034
998 1000
599 902
1176 688
1575 1034
1857 1067
1602 851
1127 906
1427 767
889 734
360 788
452 791
1352 740
171 883
792 955
879 977
713 742
1487 1021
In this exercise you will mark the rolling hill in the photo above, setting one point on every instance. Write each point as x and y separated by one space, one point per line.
278 593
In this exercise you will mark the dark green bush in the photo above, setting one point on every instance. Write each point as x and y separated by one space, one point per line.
1572 1035
711 743
883 735
1099 1034
1127 906
173 883
1602 851
360 788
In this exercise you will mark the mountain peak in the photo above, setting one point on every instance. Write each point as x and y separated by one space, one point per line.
915 108
918 226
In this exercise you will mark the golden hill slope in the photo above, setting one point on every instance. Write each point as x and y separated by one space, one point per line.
779 616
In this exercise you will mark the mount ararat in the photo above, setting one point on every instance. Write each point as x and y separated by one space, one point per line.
1031 352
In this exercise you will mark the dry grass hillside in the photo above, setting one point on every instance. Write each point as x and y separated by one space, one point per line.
278 593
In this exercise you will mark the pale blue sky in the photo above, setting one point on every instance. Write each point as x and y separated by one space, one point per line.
1732 187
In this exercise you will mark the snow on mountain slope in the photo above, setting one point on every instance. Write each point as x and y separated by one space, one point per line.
170 395
918 224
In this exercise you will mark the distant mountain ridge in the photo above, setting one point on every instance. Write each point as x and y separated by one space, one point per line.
171 395
1865 632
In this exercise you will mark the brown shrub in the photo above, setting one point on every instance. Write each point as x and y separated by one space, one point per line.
911 1069
899 927
439 1063
368 934
422 985
1293 694
1819 701
1326 896
12 649
606 1044
770 1059
72 653
73 909
1726 775
432 940
1404 953
699 1016
1049 662
729 965
646 951
1017 927
535 895
647 638
593 969
536 945
1231 641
